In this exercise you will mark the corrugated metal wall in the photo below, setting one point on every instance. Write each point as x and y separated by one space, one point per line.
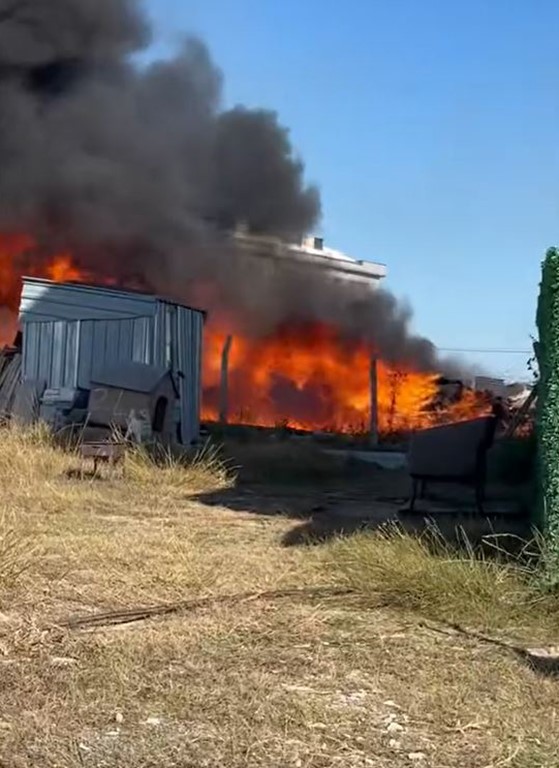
50 353
72 331
190 340
65 353
180 334
107 342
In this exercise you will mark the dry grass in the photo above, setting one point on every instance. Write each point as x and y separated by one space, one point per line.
207 470
425 575
17 552
292 682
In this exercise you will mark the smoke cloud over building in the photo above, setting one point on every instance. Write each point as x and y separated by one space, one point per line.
140 172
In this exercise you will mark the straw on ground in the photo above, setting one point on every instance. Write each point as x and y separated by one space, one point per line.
290 682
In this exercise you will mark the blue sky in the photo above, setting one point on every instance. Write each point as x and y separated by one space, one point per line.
432 129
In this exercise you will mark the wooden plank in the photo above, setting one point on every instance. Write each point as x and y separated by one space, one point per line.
9 384
107 451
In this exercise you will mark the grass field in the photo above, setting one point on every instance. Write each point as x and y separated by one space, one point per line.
298 680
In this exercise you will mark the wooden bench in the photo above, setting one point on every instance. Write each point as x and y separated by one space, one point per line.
454 453
103 452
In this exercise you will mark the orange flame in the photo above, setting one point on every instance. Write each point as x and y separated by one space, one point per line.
303 375
19 257
307 376
62 270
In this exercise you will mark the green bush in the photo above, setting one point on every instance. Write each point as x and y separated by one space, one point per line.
547 351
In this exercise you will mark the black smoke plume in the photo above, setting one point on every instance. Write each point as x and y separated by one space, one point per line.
141 171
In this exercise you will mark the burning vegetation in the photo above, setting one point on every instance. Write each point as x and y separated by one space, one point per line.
307 376
132 176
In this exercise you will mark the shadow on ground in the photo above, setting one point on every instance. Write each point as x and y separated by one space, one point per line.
490 536
332 500
328 513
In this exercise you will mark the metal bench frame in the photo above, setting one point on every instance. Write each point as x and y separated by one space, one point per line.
477 478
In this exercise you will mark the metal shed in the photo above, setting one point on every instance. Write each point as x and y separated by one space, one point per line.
72 330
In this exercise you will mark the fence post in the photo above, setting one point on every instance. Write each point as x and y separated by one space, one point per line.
224 388
373 426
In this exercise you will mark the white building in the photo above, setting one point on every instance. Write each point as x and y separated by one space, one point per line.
311 252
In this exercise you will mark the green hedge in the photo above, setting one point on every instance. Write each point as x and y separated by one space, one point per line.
547 351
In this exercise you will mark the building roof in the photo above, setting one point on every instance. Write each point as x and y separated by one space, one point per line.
132 377
313 252
90 292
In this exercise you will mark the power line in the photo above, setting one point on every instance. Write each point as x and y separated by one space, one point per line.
487 351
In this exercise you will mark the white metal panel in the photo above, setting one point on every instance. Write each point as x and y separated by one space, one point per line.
45 300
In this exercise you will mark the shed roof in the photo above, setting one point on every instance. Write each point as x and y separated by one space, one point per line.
86 301
133 377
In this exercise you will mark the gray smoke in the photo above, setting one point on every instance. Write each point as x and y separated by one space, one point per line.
40 32
141 171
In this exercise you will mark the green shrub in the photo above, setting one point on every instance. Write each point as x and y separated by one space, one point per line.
547 351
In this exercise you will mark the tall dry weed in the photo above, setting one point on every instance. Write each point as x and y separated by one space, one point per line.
425 575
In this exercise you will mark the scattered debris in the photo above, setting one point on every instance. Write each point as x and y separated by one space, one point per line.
392 704
63 661
10 374
111 618
153 721
353 699
106 452
542 660
27 401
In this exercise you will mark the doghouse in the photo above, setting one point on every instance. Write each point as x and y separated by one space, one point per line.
130 392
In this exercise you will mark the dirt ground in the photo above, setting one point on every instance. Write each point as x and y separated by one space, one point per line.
300 680
333 496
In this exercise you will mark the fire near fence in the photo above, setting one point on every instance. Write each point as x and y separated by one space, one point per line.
305 375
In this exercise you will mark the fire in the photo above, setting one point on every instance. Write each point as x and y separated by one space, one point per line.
307 376
302 375
18 257
61 270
